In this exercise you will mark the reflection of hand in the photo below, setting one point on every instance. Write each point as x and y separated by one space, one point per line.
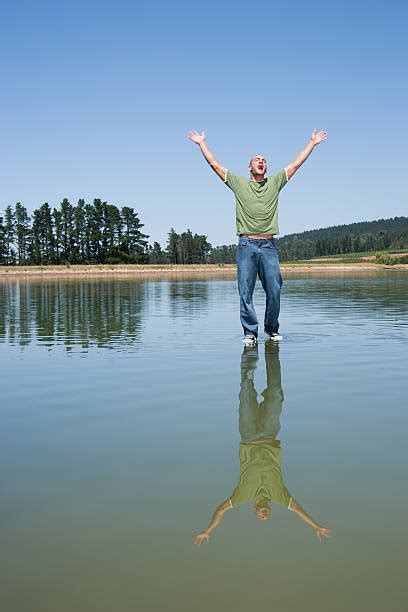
323 531
200 537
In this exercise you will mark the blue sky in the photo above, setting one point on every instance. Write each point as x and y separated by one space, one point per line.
97 99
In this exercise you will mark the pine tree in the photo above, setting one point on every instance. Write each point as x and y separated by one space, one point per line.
134 242
89 224
185 248
96 230
22 220
172 246
48 234
9 235
201 249
58 229
79 233
67 235
42 237
114 231
3 245
35 242
156 255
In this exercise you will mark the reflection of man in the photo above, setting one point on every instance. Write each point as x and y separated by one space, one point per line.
260 479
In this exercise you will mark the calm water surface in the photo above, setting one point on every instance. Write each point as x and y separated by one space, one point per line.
130 411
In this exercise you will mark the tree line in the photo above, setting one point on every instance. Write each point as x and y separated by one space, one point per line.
97 233
365 236
185 248
101 233
85 233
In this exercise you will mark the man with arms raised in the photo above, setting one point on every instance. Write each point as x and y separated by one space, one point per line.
257 224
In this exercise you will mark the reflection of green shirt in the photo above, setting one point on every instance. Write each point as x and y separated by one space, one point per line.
257 203
260 475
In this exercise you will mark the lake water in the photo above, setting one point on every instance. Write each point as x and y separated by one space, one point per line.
125 405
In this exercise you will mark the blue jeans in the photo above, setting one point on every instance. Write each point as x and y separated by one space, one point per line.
258 257
260 420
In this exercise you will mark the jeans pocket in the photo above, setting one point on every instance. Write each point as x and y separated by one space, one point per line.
243 242
271 245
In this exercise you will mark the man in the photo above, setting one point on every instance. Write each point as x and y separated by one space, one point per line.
257 224
260 480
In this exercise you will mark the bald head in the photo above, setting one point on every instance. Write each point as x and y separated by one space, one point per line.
258 156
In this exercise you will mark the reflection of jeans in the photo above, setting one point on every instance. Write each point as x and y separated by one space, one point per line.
258 256
258 421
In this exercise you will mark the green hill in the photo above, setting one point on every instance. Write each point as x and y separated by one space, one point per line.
362 237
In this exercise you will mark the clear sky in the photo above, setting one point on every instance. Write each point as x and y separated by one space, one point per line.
97 99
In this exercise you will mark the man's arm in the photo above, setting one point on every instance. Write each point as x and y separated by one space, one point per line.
317 137
209 156
294 506
215 521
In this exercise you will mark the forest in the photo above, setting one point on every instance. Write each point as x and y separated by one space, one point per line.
362 237
102 233
86 233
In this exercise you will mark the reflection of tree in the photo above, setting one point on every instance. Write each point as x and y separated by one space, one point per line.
186 298
260 479
85 313
388 291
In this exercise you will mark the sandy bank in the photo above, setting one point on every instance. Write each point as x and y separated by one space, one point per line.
152 271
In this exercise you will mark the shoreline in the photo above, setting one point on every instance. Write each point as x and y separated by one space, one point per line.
151 270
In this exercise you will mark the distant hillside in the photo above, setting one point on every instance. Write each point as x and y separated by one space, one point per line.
380 235
361 237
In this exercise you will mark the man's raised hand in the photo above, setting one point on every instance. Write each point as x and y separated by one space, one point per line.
318 137
196 137
209 156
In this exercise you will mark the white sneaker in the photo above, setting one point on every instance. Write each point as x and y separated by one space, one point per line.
249 340
273 336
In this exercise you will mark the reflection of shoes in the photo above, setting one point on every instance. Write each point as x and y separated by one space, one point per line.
249 340
273 336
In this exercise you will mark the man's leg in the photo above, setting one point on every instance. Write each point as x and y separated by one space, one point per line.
271 405
248 397
271 279
247 269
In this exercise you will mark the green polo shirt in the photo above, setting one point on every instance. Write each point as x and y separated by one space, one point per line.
260 475
257 203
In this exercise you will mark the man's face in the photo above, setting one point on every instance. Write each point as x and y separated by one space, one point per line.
257 165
